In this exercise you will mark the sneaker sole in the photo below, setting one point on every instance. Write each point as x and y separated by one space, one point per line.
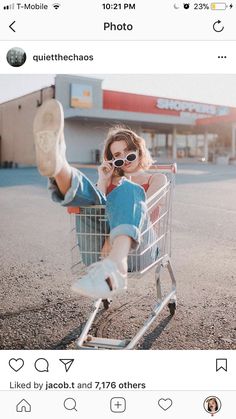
47 154
81 291
74 288
48 128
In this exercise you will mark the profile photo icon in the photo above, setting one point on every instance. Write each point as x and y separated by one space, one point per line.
16 57
212 405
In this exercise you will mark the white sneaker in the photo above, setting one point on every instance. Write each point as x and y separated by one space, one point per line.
102 281
49 139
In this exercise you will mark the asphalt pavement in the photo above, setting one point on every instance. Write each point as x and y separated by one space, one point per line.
37 308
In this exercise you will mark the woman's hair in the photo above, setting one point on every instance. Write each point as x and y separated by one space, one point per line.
208 401
134 143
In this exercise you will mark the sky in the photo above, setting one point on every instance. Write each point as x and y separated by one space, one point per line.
208 88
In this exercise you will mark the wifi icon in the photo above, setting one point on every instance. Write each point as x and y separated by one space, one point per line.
56 6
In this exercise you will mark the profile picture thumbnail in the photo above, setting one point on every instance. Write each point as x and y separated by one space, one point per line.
212 405
16 57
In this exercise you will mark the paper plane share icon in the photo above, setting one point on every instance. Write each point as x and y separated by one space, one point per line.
67 363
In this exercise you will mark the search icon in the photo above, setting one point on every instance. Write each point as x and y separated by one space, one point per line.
70 404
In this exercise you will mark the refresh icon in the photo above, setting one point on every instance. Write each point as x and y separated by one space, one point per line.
217 26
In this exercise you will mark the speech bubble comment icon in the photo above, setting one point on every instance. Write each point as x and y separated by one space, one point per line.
70 404
41 365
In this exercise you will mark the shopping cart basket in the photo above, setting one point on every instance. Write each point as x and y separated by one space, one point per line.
90 230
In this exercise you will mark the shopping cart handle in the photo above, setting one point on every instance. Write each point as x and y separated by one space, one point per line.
73 210
165 167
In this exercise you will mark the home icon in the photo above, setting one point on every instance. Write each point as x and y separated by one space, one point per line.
23 406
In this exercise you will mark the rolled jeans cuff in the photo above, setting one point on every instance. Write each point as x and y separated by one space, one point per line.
127 230
70 194
82 192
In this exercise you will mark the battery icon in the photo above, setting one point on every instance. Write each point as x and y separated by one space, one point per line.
218 6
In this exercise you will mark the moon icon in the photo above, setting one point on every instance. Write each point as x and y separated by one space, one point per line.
175 6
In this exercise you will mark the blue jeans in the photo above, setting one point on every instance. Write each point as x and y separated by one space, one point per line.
125 213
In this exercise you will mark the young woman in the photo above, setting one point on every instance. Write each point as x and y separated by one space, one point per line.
212 405
123 186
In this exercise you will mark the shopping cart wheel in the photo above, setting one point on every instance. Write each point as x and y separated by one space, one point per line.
106 303
172 308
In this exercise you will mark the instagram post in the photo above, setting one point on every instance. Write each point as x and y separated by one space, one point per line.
117 202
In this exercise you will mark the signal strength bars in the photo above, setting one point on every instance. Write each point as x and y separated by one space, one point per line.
9 7
12 6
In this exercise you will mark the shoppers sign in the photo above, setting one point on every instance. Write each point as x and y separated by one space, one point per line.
191 107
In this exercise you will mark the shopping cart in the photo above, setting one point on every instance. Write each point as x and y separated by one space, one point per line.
90 230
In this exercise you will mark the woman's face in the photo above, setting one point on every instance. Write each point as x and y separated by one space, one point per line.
212 405
119 149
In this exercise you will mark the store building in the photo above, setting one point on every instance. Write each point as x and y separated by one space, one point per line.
173 129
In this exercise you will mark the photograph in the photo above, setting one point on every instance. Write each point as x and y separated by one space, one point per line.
118 211
212 405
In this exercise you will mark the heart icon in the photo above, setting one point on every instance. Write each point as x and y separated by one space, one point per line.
165 404
16 364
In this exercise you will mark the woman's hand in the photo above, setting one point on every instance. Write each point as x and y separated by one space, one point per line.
105 171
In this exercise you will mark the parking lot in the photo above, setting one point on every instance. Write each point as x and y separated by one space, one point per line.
37 308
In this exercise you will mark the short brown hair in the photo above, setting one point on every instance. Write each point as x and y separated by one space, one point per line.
133 141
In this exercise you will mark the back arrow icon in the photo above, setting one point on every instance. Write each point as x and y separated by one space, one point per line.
10 26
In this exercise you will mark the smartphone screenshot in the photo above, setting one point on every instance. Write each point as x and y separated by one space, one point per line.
117 209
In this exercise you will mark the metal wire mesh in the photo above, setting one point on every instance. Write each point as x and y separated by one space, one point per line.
90 232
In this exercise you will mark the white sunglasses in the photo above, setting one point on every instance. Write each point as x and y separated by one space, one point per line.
121 161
